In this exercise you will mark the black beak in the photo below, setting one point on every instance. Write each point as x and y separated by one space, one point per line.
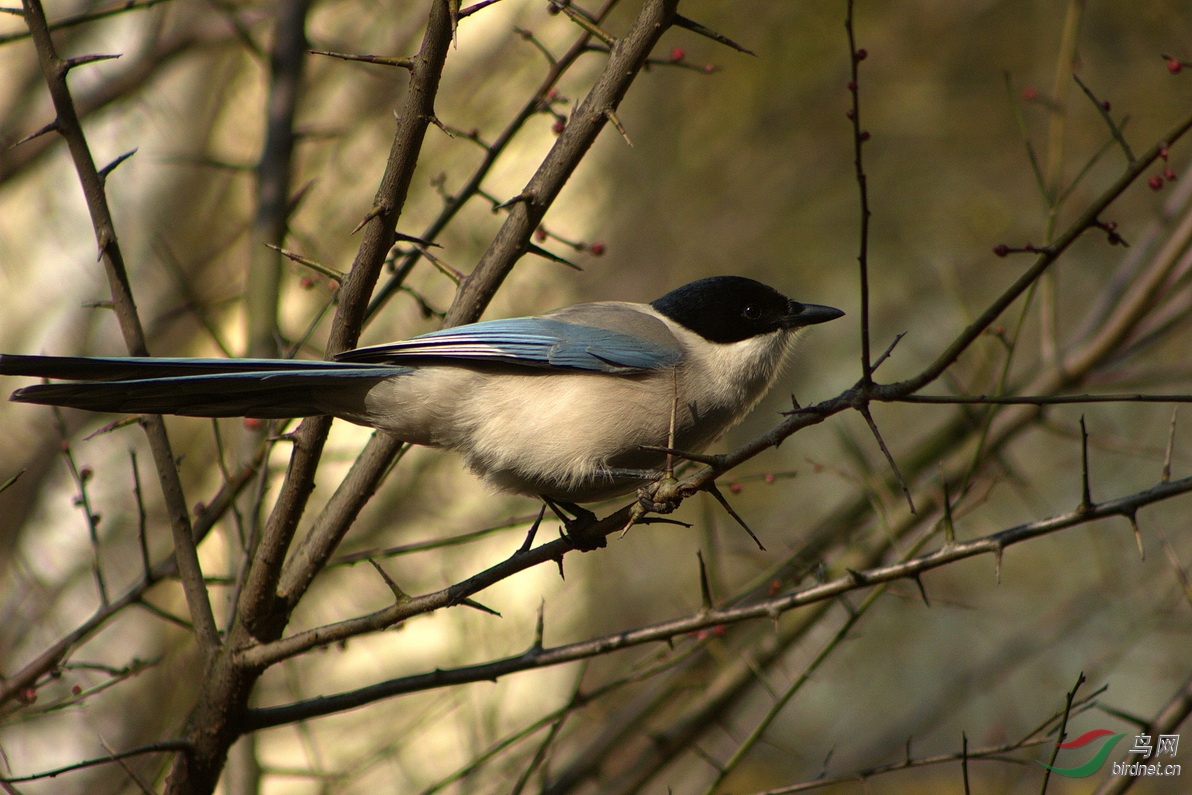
810 314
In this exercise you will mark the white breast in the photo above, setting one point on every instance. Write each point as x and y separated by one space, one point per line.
558 433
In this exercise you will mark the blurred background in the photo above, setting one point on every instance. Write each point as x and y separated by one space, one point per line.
745 167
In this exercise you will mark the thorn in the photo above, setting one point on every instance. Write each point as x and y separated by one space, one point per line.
662 520
105 239
435 121
525 547
713 461
611 115
636 515
539 625
453 7
1086 497
1170 446
403 63
670 434
522 197
705 590
404 238
559 560
886 354
399 595
456 276
83 60
858 578
472 603
922 590
323 270
375 212
997 563
715 492
541 252
297 197
472 9
112 426
49 128
11 480
964 760
695 27
584 22
1137 535
889 457
949 527
1103 109
110 167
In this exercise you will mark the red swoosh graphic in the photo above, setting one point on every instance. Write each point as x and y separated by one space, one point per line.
1085 738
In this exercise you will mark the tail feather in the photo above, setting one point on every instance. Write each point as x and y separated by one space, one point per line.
130 368
266 389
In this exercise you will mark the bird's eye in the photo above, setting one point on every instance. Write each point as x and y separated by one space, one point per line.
751 312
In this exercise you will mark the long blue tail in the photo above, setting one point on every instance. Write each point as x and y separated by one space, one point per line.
265 388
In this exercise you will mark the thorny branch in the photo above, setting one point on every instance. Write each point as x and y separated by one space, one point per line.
54 70
767 609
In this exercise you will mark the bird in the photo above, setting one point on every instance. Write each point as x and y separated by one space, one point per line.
569 406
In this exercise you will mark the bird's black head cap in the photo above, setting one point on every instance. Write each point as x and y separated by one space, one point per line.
733 308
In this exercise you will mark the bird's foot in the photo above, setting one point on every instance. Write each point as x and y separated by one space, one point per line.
663 495
578 526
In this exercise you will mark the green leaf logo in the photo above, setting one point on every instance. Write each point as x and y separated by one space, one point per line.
1091 766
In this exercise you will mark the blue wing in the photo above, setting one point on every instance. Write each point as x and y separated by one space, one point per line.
540 342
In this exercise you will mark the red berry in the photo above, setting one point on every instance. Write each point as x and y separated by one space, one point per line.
1030 93
1169 174
861 54
864 136
85 473
540 233
1174 65
306 282
253 423
734 488
1001 250
1156 182
678 54
598 248
558 127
